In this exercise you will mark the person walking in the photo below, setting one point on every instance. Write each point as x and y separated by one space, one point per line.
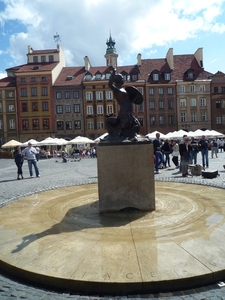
175 153
30 152
214 148
203 143
166 150
157 153
18 157
194 150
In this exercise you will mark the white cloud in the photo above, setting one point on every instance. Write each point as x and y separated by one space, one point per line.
85 25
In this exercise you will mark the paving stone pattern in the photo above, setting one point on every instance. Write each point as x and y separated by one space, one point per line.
55 174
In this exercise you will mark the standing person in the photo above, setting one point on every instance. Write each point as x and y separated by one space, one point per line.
194 150
214 148
166 151
38 153
175 154
18 157
157 153
30 152
185 153
203 143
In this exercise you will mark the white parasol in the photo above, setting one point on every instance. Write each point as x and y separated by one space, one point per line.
32 141
10 144
80 140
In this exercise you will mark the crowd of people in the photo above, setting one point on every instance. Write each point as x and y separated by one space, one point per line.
185 152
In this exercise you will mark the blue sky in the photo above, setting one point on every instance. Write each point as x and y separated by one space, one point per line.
148 27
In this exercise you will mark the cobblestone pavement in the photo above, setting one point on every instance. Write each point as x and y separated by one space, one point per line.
55 175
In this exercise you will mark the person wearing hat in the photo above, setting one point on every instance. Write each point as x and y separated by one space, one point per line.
30 152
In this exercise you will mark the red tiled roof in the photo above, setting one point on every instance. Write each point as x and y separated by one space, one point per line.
76 73
47 51
31 67
8 82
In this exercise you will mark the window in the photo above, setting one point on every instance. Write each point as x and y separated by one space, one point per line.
141 121
12 124
89 96
45 106
11 108
203 116
33 79
109 95
25 124
151 91
182 89
90 125
155 77
44 91
216 90
183 117
35 124
0 107
59 109
222 89
190 74
89 110
98 76
192 102
192 88
100 125
33 91
202 88
171 120
99 109
218 103
140 107
51 58
75 94
67 109
124 77
43 58
167 76
107 75
99 95
160 91
152 121
109 109
67 95
88 77
68 125
193 116
43 78
58 95
34 106
218 120
161 120
202 102
76 108
0 124
24 107
77 124
23 92
152 104
10 94
140 90
170 104
161 104
22 79
35 59
60 125
169 90
134 77
182 102
45 123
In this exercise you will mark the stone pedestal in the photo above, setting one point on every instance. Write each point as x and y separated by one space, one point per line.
126 176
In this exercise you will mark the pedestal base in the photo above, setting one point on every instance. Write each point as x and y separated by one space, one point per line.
126 176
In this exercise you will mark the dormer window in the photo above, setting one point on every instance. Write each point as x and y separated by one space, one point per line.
88 77
98 76
190 74
155 77
134 77
167 76
107 75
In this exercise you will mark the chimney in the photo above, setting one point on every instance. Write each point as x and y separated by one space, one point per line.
139 59
199 56
87 63
30 50
169 58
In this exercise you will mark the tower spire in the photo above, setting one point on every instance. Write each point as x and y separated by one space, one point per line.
111 55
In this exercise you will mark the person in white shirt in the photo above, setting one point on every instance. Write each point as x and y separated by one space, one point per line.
30 152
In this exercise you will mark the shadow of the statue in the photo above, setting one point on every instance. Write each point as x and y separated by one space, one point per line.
86 216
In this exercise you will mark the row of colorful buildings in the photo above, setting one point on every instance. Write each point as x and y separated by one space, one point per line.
44 98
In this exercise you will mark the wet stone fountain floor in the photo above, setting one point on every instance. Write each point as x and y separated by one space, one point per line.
59 238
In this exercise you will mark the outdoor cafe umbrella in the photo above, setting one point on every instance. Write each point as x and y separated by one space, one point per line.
32 141
80 140
49 142
11 144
